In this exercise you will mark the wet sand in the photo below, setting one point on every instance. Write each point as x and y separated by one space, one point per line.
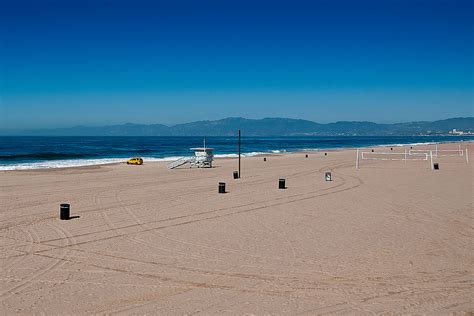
391 236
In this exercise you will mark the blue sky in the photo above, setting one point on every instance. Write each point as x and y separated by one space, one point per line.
65 63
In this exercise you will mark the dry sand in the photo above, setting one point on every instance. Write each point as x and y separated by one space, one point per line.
391 236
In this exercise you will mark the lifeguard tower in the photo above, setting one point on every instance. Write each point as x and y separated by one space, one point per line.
203 158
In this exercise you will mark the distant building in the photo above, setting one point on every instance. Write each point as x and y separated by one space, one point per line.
456 132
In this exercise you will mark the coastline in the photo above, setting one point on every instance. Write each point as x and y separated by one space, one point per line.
67 164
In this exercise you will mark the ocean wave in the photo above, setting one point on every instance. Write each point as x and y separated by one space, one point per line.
415 144
226 156
250 154
404 145
50 164
70 163
45 155
171 158
51 160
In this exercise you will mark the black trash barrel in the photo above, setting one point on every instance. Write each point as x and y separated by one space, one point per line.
435 166
372 150
325 154
306 156
391 148
281 184
64 211
236 174
264 159
221 187
328 176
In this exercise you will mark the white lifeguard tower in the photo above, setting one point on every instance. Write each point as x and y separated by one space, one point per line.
203 158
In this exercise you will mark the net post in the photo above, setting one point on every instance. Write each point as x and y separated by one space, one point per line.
239 154
431 159
357 159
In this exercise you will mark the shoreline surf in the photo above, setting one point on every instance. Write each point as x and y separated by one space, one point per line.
77 163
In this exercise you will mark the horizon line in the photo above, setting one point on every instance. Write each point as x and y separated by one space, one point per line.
235 117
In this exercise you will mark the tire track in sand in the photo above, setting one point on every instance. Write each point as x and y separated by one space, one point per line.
279 201
289 199
130 237
18 288
17 259
297 174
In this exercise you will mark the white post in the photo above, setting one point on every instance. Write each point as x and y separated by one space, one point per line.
467 157
357 159
431 158
405 156
459 150
436 150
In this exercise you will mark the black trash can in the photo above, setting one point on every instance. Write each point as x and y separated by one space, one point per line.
281 184
264 159
221 187
328 176
435 166
64 211
236 175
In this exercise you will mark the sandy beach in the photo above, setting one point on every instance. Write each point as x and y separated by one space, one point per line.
391 236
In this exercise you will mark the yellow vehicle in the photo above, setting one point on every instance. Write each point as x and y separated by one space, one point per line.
135 161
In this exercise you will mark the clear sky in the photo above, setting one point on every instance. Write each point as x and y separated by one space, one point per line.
97 62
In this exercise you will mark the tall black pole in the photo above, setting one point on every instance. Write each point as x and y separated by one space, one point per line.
239 153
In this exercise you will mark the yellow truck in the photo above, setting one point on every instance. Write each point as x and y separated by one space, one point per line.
135 161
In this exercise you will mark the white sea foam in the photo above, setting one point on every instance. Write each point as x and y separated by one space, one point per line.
171 158
50 164
312 149
255 153
103 161
60 164
251 154
400 145
69 163
413 144
226 156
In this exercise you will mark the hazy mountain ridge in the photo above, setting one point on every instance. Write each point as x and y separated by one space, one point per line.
259 127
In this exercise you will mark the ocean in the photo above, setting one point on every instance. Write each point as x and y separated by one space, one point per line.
19 153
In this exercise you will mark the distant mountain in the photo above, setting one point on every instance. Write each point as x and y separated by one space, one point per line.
230 126
263 127
128 129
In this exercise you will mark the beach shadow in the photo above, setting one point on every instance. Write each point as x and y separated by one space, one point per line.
74 217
